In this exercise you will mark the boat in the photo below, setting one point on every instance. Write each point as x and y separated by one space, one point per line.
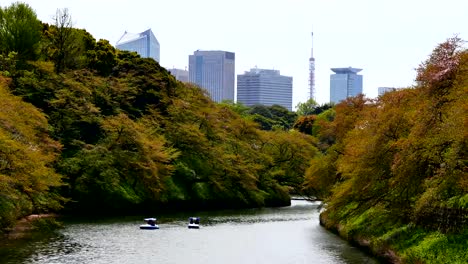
150 224
194 222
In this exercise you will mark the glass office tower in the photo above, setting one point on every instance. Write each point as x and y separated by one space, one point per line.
264 87
214 71
144 43
345 83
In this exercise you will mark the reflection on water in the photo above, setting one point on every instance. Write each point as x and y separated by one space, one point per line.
269 235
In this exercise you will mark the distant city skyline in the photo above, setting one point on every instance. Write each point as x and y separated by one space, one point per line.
388 49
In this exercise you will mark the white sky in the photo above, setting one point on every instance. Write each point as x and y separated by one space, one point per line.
388 39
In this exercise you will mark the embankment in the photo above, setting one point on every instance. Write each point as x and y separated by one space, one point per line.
27 225
384 254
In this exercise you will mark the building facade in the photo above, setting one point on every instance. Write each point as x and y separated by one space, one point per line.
345 83
264 87
179 74
382 90
144 43
215 72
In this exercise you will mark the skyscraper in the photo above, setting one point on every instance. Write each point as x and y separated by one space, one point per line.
144 43
345 83
264 87
214 71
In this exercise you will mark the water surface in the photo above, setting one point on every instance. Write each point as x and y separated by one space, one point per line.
270 235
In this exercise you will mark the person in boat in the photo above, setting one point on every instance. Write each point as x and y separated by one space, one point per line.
197 220
151 222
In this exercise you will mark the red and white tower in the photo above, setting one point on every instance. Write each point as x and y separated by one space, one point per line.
312 71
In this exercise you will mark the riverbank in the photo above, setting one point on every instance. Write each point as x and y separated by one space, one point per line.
384 254
29 224
394 242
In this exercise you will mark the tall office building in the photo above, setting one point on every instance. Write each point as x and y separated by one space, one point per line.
144 43
345 83
264 87
214 71
179 74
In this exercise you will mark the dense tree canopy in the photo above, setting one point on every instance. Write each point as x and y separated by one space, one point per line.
27 154
272 117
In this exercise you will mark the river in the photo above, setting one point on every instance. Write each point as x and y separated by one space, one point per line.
269 235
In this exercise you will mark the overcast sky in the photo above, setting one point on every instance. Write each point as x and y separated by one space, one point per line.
388 39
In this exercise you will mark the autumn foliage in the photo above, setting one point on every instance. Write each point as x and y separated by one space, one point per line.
400 159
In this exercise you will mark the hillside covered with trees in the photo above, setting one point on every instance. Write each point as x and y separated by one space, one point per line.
87 128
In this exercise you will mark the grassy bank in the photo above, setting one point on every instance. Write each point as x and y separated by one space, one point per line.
392 241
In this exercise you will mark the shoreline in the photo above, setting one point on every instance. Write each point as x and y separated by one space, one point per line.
25 226
382 253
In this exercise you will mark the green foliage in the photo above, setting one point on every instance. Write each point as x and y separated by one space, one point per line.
102 58
129 165
311 107
26 155
306 108
8 64
269 117
66 46
216 150
435 247
321 175
134 138
46 224
20 31
291 152
238 107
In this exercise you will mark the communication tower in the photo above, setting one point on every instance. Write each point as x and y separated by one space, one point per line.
312 71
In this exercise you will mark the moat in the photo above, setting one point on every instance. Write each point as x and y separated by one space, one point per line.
268 235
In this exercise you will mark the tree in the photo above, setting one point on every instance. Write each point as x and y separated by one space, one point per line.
274 116
26 157
304 124
312 108
63 39
291 152
307 108
238 107
127 167
102 58
20 31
